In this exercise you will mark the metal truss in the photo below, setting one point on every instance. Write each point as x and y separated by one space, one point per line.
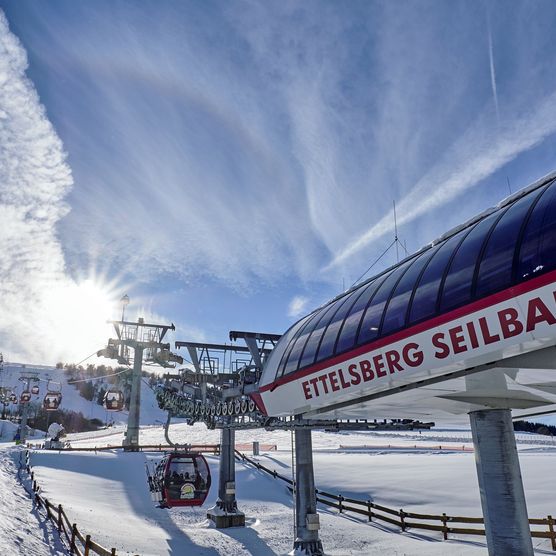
218 389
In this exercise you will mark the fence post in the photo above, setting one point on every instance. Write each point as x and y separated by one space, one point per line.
47 508
402 520
445 527
113 552
369 508
72 541
87 545
340 500
551 529
59 518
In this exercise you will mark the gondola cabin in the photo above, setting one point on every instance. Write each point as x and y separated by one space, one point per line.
25 397
34 390
13 398
183 479
52 401
114 400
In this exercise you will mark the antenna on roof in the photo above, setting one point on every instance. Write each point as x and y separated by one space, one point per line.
395 242
396 232
509 187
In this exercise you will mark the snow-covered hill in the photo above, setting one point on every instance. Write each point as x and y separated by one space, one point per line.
72 400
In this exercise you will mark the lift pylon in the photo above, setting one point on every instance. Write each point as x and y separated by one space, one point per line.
145 339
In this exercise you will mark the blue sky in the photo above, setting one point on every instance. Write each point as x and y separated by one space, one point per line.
231 164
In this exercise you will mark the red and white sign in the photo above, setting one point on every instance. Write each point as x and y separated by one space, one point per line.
502 325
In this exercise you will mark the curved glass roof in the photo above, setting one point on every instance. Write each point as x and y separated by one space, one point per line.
507 246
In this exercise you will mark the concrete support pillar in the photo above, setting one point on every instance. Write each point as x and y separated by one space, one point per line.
225 513
131 440
307 520
502 495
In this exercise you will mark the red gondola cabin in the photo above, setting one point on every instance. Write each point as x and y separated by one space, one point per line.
183 479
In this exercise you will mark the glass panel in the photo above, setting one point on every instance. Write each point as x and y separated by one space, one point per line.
424 300
495 272
326 348
310 351
348 333
279 355
396 311
459 280
538 247
292 363
373 315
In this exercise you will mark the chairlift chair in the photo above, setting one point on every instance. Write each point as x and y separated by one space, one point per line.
114 400
52 400
183 479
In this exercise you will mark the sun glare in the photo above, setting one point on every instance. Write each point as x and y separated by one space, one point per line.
78 312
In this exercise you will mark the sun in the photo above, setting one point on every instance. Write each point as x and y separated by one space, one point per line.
78 312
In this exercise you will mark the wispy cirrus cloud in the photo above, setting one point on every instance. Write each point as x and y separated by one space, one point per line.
249 146
48 314
34 182
481 151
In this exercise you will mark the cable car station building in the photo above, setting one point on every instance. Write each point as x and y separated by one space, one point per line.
465 326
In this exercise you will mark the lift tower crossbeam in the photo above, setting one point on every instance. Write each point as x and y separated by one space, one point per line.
256 343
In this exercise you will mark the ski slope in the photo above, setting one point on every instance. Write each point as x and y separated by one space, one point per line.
72 400
107 495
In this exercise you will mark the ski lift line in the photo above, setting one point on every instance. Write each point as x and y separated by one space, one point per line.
88 357
98 377
376 261
147 384
47 380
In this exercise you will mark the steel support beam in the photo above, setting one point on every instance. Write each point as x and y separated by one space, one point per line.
23 424
502 496
131 440
307 520
225 513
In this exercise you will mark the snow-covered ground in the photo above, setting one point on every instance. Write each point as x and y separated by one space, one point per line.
106 493
22 531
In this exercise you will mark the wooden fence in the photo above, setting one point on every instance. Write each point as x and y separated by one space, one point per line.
200 448
408 520
79 544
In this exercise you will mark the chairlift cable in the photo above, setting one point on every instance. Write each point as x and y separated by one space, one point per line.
99 377
88 357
